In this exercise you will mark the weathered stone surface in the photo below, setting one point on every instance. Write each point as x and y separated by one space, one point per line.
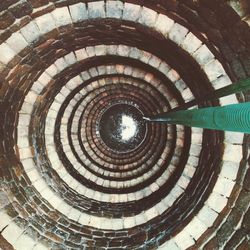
45 23
177 33
61 16
6 19
203 55
131 12
78 12
204 167
96 9
7 54
20 9
38 3
114 9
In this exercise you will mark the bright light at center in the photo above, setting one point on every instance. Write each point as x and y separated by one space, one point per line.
128 128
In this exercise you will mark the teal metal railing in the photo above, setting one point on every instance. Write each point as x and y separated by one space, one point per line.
234 117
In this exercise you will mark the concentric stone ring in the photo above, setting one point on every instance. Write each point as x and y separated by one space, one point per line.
79 167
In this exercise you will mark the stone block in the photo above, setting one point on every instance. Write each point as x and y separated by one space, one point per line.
123 50
70 58
189 171
151 213
44 78
214 69
51 71
74 214
234 137
52 114
163 24
164 68
131 12
6 53
25 153
147 17
145 57
183 182
207 215
195 150
71 84
30 32
61 64
227 100
232 153
129 222
177 191
229 170
117 224
24 242
193 160
173 75
154 61
178 33
5 220
217 202
203 55
45 23
195 228
81 54
100 50
101 70
197 136
23 142
28 164
33 175
183 240
114 9
78 12
23 131
161 207
49 129
37 88
93 72
221 81
154 187
90 51
26 108
12 233
84 219
55 201
112 49
94 222
224 186
61 16
140 219
187 94
191 43
96 10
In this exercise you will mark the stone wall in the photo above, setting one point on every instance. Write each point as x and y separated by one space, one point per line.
62 62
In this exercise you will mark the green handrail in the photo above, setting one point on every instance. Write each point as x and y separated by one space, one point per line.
240 86
234 117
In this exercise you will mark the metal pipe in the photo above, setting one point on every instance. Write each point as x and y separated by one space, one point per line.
234 117
240 86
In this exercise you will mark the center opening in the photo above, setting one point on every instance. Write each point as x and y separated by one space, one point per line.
122 128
